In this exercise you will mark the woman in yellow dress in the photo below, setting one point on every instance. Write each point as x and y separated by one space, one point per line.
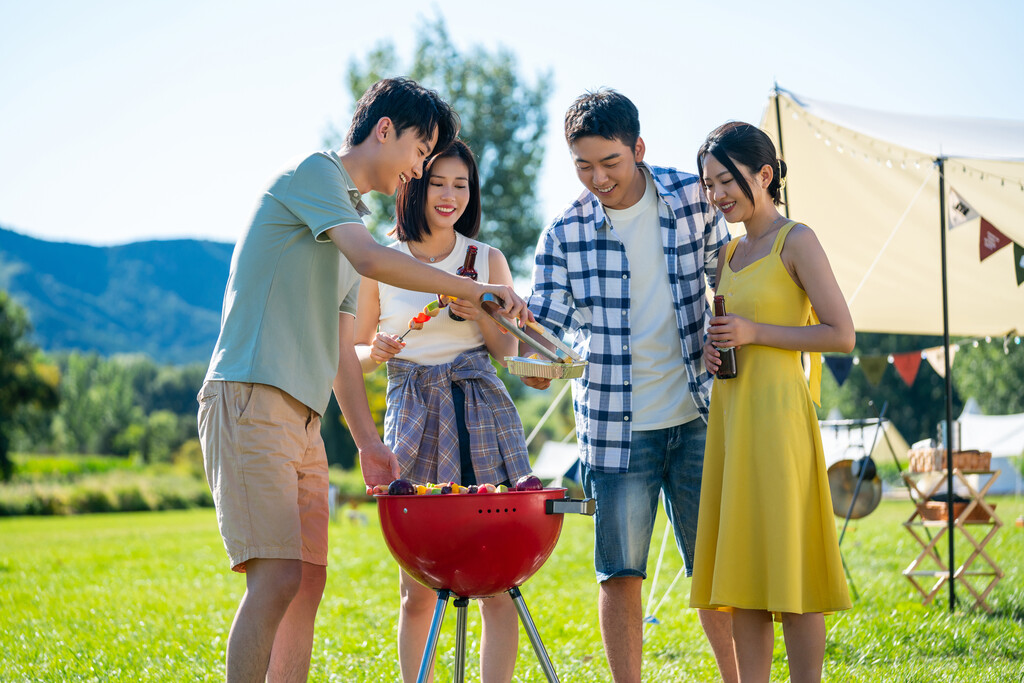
766 537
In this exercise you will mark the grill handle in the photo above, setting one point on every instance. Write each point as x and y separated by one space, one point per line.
587 506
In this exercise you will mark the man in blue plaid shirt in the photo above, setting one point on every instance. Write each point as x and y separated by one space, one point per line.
621 273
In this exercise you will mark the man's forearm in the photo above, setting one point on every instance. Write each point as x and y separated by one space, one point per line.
395 268
351 394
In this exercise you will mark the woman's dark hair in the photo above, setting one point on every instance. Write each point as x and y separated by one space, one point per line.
410 205
741 143
607 113
409 105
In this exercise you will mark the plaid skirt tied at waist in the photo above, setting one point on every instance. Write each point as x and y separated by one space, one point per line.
420 427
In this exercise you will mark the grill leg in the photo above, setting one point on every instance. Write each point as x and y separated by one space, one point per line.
460 639
431 645
531 631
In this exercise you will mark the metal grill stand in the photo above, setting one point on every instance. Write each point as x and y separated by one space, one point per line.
430 649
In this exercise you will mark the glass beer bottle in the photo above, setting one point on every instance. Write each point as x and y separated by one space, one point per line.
728 368
467 269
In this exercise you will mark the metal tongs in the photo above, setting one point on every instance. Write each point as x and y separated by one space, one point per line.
562 353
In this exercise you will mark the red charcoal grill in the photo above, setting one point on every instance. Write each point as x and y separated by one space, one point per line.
475 546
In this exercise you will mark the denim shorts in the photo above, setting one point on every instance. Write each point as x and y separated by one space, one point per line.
667 460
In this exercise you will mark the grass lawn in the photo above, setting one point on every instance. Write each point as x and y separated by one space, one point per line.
148 597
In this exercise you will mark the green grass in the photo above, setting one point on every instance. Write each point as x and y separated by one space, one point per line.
149 597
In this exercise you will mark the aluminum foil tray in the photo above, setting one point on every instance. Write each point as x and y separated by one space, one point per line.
534 367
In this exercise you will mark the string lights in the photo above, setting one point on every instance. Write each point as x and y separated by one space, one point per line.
844 141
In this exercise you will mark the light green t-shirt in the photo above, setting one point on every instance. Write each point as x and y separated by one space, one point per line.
279 323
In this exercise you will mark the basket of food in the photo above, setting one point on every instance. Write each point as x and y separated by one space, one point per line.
938 511
934 460
552 358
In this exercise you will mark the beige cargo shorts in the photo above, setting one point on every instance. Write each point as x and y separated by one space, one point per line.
267 468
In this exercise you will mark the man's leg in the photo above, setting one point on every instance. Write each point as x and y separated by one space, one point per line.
620 608
270 586
718 629
271 497
293 646
627 503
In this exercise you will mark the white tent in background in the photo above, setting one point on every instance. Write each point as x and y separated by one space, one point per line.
867 183
971 407
877 188
556 462
1003 437
851 439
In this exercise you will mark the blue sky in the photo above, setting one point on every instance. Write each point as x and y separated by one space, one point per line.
123 121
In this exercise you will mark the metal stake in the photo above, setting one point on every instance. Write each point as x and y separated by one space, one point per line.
531 632
941 161
460 639
435 627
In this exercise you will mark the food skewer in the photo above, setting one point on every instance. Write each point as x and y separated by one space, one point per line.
428 312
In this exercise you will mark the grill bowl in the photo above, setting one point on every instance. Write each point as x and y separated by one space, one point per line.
475 545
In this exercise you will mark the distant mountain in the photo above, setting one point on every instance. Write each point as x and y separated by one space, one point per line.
160 298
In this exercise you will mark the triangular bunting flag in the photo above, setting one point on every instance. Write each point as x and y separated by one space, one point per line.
1018 262
960 212
873 367
839 366
990 240
936 358
907 364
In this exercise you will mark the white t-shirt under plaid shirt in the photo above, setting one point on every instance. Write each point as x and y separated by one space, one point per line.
581 282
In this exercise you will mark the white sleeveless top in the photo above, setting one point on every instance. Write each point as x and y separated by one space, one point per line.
441 339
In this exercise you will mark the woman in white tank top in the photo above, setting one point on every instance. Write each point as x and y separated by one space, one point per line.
449 417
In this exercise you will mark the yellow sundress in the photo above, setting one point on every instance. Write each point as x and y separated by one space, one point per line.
766 535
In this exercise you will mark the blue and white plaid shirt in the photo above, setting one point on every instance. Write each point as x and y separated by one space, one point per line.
581 290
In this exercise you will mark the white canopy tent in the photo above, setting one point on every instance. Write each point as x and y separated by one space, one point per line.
877 189
867 182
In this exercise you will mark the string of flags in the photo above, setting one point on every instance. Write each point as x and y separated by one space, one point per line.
990 239
907 364
960 212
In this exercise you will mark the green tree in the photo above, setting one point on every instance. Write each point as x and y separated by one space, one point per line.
98 403
993 374
338 442
503 121
26 380
914 410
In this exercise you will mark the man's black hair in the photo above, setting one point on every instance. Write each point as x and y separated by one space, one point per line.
606 113
409 105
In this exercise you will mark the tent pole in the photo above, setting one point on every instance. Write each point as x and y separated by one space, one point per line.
778 124
941 161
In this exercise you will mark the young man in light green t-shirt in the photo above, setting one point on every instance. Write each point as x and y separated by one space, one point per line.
286 337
